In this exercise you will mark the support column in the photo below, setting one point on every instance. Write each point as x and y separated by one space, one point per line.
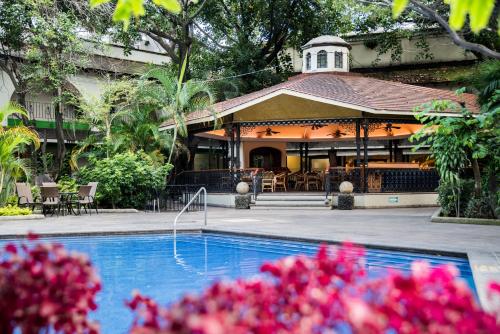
307 157
210 154
238 143
301 157
231 148
358 143
390 151
365 155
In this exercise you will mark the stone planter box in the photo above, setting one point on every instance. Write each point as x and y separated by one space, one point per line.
437 218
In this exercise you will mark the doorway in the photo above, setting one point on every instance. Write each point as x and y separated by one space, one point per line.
268 158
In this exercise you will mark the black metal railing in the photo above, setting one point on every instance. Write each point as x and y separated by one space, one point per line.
217 180
173 198
383 180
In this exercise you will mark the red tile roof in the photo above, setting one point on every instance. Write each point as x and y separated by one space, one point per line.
353 89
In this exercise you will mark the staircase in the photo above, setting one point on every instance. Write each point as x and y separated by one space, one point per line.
282 200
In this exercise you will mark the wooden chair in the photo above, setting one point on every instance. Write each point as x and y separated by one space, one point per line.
51 200
25 196
313 180
374 183
267 181
280 181
300 181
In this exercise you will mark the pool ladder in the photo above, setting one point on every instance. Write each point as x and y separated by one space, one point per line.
198 193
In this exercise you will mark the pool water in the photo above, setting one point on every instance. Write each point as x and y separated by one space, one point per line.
147 263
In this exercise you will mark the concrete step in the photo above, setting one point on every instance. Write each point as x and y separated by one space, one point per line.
254 207
315 198
282 203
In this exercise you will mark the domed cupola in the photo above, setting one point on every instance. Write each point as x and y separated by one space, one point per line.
325 54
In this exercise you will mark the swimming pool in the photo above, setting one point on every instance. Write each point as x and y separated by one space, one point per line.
148 263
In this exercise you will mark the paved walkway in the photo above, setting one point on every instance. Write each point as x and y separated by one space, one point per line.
400 228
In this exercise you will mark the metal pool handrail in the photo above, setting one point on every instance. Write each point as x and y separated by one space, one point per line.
202 189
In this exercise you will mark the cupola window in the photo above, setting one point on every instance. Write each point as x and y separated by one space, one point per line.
308 61
322 59
339 61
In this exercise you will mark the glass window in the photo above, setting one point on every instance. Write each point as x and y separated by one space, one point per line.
339 60
322 61
308 61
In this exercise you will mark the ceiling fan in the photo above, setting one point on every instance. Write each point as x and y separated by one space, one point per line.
388 128
314 126
268 132
337 133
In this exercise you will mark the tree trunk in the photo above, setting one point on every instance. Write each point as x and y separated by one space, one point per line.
477 177
61 147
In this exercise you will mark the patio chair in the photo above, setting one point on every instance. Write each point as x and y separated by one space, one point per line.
280 181
313 180
267 181
83 199
25 196
300 181
51 200
93 191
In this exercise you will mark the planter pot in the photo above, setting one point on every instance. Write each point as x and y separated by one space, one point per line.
345 202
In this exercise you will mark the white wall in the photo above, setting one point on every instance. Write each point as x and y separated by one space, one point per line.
330 51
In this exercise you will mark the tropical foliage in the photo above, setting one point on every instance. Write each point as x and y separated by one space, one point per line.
12 210
13 142
329 293
126 179
460 143
46 289
176 99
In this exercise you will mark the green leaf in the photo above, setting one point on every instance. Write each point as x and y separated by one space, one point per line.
458 13
95 3
171 5
480 12
398 6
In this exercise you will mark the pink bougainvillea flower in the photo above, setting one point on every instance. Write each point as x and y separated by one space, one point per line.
329 293
43 289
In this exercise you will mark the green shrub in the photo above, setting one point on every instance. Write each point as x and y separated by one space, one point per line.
11 210
67 184
448 195
124 179
479 207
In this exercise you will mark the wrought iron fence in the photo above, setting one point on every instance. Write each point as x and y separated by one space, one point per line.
173 198
383 180
218 180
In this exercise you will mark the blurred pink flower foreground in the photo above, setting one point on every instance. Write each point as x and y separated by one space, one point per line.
329 293
43 289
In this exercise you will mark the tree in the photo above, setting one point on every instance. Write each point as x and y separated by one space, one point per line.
176 98
461 142
53 52
13 140
103 115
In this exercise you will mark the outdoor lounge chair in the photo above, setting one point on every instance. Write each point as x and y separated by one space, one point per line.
93 191
51 200
25 196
